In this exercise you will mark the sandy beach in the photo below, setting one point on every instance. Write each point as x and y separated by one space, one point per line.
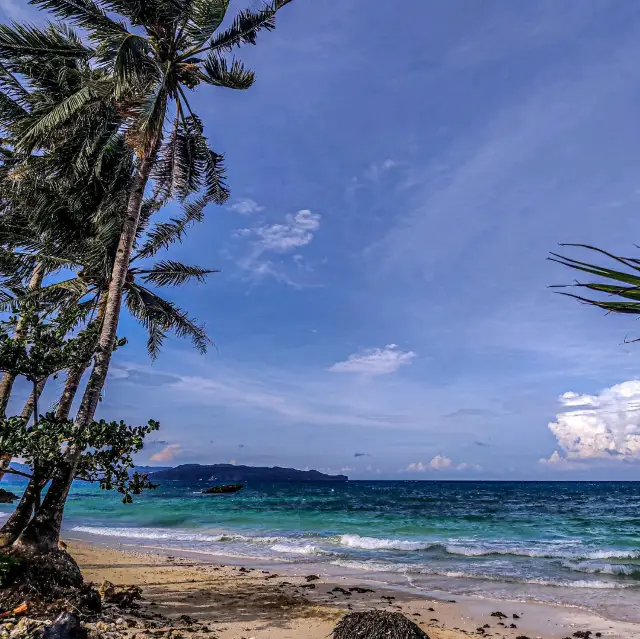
241 601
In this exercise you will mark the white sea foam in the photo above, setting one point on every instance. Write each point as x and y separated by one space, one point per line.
295 549
377 567
603 568
172 535
373 543
540 552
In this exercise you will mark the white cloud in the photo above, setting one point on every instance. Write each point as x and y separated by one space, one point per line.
441 462
298 230
245 206
602 426
347 469
379 361
167 454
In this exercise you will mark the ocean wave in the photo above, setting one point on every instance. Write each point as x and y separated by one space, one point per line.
306 549
625 570
173 535
540 553
373 543
410 569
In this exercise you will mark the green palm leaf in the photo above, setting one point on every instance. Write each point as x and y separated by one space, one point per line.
205 18
25 40
218 73
172 273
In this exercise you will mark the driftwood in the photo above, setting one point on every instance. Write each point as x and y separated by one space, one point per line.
377 624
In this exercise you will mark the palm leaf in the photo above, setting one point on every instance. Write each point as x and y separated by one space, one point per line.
206 16
219 74
172 273
159 315
166 233
246 26
86 14
26 40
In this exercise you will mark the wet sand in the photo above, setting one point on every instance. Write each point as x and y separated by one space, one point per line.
273 602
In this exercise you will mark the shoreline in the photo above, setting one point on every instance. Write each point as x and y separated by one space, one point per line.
243 598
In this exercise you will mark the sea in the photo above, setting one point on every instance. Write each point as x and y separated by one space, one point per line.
570 543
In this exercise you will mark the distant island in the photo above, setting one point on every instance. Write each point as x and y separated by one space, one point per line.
231 473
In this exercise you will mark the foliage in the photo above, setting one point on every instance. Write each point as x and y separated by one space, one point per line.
107 460
619 288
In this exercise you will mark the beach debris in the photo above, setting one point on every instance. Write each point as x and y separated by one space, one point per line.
360 591
341 590
308 586
18 610
121 596
523 637
583 634
377 624
512 625
309 578
430 609
387 598
480 630
66 626
499 614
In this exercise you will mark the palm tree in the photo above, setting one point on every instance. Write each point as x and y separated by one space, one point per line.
156 52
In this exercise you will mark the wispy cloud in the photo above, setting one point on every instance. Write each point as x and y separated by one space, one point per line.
270 241
245 206
378 361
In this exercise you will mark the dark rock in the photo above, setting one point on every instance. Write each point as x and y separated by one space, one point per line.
388 598
377 624
417 614
342 590
515 616
480 630
499 614
359 590
522 637
486 625
598 634
451 601
309 586
312 578
513 625
66 626
7 497
430 609
582 634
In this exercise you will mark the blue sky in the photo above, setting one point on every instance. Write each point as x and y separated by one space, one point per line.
399 175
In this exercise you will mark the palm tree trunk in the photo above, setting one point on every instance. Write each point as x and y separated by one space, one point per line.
27 411
7 380
6 383
43 531
20 517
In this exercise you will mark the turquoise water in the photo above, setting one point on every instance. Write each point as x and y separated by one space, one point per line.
566 542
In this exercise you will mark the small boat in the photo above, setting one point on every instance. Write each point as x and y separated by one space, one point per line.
223 490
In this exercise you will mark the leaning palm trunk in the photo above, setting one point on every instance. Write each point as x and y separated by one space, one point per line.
30 501
8 379
6 383
32 402
43 531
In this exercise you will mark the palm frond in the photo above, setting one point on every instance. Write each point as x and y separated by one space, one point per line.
172 273
131 62
246 26
628 288
58 115
206 16
166 233
218 73
86 14
159 315
26 40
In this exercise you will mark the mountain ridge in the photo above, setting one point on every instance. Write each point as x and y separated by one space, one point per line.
233 473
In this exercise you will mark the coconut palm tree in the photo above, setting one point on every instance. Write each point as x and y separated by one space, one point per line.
156 52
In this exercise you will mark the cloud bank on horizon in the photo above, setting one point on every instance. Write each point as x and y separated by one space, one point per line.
383 282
